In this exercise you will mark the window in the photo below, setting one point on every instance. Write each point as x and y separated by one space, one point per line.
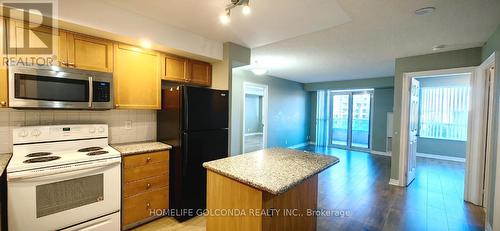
444 112
343 118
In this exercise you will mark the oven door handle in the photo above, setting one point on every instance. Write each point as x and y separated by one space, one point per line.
91 91
56 173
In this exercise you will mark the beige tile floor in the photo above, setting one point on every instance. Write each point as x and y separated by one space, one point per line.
170 224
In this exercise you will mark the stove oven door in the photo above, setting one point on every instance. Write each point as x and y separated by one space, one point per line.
63 199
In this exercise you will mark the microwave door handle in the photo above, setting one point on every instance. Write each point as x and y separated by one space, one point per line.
91 91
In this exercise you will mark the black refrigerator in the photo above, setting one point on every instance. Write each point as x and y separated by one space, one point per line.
195 122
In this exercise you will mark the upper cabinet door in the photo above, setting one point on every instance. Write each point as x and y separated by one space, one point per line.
32 43
3 73
174 68
137 78
200 73
89 53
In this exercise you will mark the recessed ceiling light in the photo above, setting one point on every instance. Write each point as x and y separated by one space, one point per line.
425 10
246 10
225 19
438 47
259 71
146 44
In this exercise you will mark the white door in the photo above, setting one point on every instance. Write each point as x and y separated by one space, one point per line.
413 130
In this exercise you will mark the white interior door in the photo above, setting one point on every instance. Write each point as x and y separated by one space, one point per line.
479 135
412 131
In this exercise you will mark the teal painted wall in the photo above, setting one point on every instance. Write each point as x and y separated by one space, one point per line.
288 110
382 103
437 61
382 82
312 121
493 44
454 148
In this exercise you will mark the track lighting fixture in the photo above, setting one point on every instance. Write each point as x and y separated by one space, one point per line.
246 10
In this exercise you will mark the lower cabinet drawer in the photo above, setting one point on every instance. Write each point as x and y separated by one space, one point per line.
145 171
145 185
142 206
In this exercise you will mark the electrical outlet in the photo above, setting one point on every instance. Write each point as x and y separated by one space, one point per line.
128 124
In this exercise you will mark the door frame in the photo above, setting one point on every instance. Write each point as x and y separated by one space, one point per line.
405 110
264 112
487 117
351 94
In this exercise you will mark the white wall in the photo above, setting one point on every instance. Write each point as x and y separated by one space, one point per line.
143 123
104 16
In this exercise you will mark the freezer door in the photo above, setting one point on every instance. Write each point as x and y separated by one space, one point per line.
205 109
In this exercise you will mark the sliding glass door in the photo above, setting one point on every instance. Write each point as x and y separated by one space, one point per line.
340 119
350 119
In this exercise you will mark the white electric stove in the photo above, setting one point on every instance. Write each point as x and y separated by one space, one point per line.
63 177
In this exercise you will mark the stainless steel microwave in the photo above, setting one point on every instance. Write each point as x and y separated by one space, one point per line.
59 88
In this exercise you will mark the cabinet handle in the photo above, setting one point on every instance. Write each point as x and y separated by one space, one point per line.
117 105
71 64
148 186
148 205
148 159
3 103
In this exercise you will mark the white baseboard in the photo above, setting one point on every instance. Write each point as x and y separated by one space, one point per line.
488 227
254 134
299 145
439 157
380 153
394 182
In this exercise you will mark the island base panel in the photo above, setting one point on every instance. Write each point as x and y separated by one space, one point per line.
225 194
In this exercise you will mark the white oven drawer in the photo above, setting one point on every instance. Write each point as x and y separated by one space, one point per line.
106 223
52 202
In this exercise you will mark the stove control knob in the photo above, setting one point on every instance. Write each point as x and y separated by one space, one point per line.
22 133
36 132
100 129
92 130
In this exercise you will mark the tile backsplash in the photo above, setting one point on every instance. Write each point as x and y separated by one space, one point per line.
124 125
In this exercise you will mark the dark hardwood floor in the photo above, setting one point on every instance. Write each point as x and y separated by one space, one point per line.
357 195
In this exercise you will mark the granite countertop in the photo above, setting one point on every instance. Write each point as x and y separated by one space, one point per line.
273 170
141 147
4 160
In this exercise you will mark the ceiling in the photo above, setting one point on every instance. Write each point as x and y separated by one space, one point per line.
325 40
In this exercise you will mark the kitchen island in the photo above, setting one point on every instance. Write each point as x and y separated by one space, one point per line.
271 189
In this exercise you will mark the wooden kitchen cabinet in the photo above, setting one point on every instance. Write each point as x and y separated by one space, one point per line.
179 69
145 181
42 47
4 87
4 97
200 73
137 78
68 49
85 52
174 68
